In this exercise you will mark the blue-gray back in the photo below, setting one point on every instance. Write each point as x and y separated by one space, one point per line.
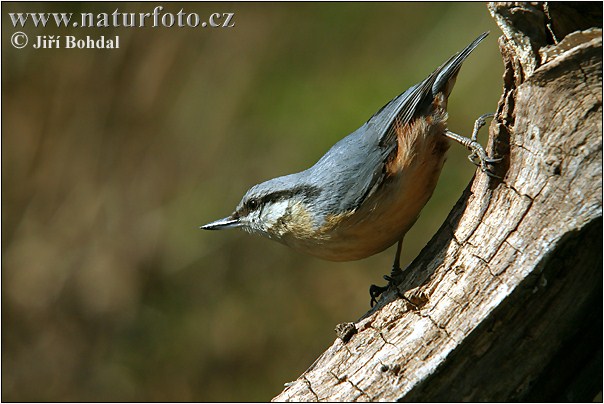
355 166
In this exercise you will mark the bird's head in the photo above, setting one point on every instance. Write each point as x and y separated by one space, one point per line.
274 209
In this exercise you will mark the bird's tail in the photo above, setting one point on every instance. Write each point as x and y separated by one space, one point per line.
446 74
414 101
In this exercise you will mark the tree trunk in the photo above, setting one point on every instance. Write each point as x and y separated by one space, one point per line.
505 301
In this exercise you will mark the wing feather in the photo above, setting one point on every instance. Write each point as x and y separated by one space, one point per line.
357 162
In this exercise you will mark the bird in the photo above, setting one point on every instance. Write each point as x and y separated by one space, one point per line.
365 193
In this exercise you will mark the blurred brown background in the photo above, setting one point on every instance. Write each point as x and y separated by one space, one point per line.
112 158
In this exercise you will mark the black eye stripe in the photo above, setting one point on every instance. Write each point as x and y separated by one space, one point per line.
252 204
306 191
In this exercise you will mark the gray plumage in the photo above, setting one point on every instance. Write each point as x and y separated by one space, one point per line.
355 166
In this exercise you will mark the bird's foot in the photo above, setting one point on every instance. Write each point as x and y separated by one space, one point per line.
376 291
479 158
478 155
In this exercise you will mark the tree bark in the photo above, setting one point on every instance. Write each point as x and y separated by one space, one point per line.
505 301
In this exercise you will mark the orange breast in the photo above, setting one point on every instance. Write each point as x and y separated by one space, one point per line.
384 218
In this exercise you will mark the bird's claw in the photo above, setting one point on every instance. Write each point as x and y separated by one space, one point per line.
478 155
376 291
480 158
480 122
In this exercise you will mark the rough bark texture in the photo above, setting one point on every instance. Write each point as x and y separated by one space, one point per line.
505 302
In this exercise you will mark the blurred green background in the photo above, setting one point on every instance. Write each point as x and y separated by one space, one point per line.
112 158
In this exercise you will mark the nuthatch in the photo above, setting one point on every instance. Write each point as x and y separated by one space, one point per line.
367 191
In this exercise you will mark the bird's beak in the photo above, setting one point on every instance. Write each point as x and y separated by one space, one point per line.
226 223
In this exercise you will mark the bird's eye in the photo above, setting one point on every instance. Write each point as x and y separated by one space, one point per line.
252 204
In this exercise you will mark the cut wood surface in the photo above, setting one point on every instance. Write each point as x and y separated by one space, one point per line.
505 301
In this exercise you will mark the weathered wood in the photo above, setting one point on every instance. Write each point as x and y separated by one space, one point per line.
505 302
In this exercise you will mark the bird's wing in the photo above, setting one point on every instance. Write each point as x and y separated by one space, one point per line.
357 162
403 108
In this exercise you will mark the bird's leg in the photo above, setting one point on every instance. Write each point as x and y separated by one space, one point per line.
479 155
396 265
376 291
